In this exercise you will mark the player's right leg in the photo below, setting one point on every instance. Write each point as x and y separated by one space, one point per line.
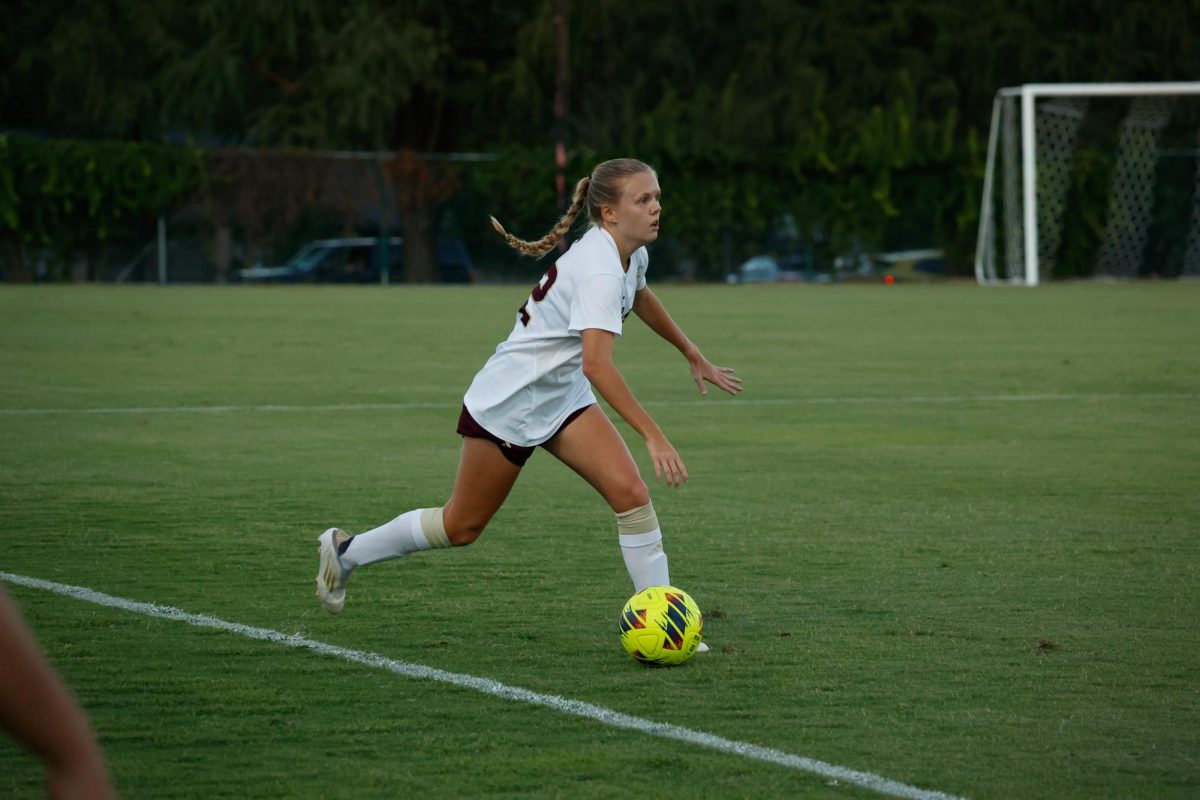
484 479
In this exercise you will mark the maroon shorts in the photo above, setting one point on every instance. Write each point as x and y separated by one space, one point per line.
518 455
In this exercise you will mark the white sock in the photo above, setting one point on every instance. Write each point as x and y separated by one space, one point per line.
408 533
645 559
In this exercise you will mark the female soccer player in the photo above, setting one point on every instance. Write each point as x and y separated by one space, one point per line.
536 390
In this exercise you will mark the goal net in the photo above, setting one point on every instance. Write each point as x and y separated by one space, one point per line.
1091 180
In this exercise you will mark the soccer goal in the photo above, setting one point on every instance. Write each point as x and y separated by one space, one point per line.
1095 180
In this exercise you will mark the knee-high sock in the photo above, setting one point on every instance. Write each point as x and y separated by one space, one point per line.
419 529
642 547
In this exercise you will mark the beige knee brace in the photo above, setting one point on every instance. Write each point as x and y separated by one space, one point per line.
434 527
637 522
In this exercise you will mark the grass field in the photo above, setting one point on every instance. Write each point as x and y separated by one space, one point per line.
948 536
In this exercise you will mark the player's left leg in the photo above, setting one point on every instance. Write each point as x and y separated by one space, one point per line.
485 477
592 447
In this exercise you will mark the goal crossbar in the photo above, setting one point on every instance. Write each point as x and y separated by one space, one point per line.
1101 89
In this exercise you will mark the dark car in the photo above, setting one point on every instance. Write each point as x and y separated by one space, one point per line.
358 260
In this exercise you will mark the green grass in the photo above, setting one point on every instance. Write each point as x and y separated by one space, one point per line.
884 567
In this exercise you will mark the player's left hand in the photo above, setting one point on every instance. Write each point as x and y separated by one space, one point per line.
721 377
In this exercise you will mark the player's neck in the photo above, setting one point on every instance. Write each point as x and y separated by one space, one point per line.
625 248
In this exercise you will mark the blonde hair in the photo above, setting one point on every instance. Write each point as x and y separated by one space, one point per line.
602 188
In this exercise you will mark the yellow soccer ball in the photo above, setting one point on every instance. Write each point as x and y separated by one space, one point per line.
661 626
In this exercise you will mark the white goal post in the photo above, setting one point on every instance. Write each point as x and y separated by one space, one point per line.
1035 126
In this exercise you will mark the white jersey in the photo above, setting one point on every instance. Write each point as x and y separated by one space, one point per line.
535 380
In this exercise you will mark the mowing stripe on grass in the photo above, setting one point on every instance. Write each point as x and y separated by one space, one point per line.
758 401
563 705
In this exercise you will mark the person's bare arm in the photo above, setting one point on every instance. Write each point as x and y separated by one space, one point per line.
652 312
39 710
603 374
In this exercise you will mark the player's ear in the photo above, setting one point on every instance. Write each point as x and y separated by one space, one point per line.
608 214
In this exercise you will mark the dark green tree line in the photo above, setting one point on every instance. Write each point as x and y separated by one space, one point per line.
864 121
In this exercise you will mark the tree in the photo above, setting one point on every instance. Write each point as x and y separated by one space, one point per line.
73 197
308 74
862 120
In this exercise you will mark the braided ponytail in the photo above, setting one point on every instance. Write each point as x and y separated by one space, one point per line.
550 240
602 188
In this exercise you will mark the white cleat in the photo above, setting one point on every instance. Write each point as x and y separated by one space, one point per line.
702 648
332 576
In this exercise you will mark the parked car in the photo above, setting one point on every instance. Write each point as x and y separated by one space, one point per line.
771 269
358 260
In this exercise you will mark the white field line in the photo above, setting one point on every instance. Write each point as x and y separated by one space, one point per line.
779 401
486 686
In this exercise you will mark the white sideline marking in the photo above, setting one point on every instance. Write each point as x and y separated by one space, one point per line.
563 705
226 409
779 401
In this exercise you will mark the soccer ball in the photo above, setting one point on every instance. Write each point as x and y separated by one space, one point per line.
661 626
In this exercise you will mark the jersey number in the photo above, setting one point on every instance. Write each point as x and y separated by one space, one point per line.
539 293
